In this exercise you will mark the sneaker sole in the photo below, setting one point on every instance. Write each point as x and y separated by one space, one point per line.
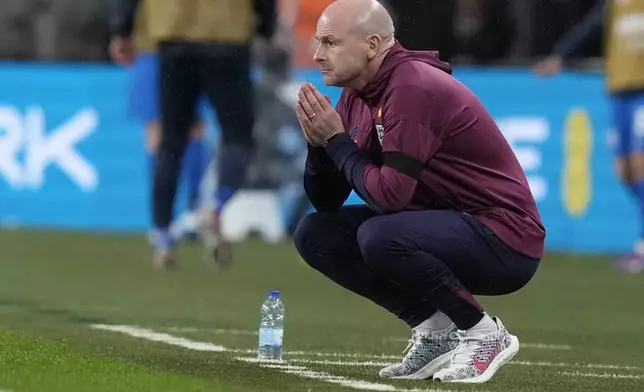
504 357
430 369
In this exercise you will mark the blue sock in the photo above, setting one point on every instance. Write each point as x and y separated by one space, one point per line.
222 196
638 190
195 164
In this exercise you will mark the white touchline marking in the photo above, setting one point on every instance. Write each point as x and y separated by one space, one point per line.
544 346
216 331
244 332
323 355
204 346
281 367
517 363
371 357
303 372
341 363
531 346
576 365
602 375
295 370
318 362
148 334
342 355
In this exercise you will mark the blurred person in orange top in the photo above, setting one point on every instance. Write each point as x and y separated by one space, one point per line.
308 13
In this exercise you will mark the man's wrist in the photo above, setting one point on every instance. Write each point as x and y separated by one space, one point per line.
339 148
314 148
331 136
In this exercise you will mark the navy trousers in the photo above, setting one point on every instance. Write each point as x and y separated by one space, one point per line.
413 263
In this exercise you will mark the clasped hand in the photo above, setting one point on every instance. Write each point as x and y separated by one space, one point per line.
319 121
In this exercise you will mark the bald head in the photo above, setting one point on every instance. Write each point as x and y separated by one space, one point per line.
354 38
364 17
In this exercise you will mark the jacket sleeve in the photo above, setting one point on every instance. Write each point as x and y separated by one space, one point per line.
325 185
266 11
587 28
408 143
121 17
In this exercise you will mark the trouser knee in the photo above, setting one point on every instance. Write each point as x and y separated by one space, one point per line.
379 243
309 240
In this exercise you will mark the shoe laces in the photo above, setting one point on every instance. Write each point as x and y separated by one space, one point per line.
413 344
465 349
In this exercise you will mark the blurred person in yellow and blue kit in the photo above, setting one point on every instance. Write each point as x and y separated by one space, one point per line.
623 25
203 47
139 55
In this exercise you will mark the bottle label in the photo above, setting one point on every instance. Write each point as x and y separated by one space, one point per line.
270 337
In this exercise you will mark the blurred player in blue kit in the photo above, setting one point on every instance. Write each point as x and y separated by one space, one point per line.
623 24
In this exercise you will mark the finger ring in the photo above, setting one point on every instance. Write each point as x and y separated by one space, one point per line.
312 116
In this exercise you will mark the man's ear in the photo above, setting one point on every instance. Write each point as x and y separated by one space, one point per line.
374 42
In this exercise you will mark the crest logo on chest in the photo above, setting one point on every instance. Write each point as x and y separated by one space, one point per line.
380 129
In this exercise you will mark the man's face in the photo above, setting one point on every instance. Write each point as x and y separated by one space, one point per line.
342 54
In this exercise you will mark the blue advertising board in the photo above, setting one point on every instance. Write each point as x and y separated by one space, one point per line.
70 158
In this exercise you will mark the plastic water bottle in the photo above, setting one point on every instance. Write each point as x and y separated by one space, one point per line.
271 328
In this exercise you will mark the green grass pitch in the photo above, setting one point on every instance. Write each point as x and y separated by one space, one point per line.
89 313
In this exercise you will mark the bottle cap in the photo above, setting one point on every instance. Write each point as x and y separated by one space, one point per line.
274 293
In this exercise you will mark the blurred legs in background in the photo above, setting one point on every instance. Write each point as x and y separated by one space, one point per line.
628 120
222 73
143 107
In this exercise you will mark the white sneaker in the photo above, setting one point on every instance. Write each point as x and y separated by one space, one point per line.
427 352
480 353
